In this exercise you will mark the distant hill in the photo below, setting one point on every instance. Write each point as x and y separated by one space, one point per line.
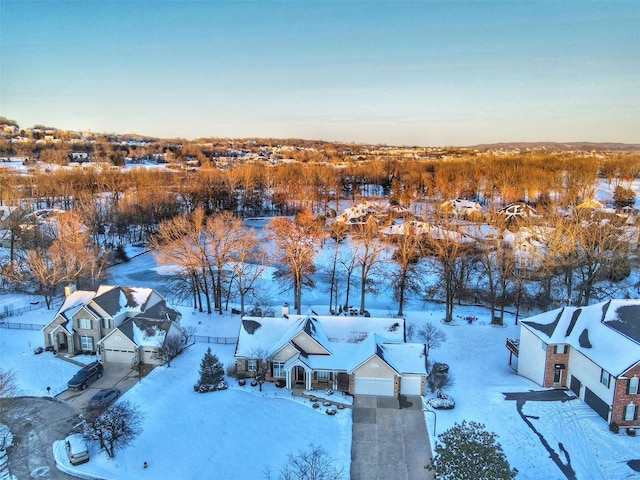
561 146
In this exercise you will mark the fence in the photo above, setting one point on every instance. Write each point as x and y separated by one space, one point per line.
20 326
219 340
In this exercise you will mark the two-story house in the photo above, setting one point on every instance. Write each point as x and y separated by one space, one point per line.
87 317
592 350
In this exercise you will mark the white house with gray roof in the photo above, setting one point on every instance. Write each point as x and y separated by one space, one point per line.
356 355
592 350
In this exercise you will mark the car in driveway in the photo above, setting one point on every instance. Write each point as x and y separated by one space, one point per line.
87 375
76 449
103 398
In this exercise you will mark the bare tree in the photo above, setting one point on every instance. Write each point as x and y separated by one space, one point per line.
295 246
368 254
116 427
313 464
432 337
406 256
449 248
262 357
247 265
174 345
70 258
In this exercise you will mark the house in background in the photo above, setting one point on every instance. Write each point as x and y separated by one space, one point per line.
87 317
355 355
592 350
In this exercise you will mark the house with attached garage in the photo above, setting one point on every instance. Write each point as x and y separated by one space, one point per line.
593 350
132 318
355 355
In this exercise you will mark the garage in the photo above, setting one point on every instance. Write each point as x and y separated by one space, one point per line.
117 355
383 387
411 385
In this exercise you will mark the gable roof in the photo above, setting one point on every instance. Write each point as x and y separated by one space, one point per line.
115 300
145 332
72 303
608 333
349 340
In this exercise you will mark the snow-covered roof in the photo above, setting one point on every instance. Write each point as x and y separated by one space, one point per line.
356 212
608 333
143 332
348 340
115 300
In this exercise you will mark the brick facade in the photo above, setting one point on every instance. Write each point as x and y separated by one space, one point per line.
622 398
551 360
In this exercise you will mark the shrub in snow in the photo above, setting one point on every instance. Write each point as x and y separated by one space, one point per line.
280 383
466 451
442 402
210 387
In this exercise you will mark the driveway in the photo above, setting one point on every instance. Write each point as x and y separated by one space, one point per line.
390 439
115 375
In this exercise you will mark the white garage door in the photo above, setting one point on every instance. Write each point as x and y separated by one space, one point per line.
374 386
118 356
411 385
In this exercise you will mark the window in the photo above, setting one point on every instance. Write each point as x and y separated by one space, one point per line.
630 412
632 385
278 370
605 378
106 323
323 376
86 342
252 365
560 349
84 323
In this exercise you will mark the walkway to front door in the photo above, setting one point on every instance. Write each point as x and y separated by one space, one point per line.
390 439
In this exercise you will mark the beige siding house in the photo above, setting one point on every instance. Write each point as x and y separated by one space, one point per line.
355 355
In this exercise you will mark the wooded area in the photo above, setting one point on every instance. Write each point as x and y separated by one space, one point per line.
190 211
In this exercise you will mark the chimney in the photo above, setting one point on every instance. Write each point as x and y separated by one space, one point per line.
69 289
285 309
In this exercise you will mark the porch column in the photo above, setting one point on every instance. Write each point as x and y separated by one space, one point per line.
308 374
287 375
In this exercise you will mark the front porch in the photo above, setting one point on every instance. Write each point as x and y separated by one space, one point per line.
300 376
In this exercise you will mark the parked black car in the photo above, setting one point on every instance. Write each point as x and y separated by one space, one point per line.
88 374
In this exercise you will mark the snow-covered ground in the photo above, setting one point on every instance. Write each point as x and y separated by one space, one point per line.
239 433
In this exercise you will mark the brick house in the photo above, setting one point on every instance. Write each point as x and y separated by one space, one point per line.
594 351
355 355
87 317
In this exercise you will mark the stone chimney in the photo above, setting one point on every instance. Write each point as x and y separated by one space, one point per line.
69 289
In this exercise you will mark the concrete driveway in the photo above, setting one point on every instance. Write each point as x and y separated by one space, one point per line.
115 375
390 439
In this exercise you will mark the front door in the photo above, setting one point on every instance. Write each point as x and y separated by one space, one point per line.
343 382
298 376
61 342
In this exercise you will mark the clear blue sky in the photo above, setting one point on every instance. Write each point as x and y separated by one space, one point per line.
408 73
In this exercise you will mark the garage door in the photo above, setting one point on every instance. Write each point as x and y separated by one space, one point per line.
118 356
595 402
374 386
411 385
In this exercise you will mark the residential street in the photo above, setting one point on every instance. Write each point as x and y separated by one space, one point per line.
36 422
